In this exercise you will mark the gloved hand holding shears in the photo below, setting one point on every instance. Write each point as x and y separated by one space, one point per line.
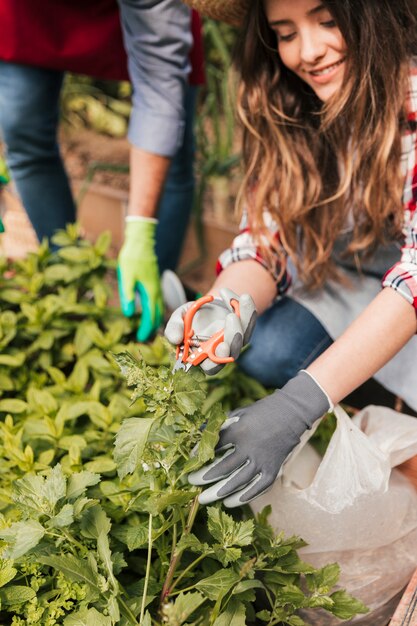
255 440
211 332
138 274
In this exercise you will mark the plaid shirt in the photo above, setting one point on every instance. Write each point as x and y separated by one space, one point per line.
403 275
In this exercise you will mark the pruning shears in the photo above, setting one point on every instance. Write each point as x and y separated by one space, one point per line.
194 348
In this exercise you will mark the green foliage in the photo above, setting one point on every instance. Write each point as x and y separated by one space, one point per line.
98 524
101 105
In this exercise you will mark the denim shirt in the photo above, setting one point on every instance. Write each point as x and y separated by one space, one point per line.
157 37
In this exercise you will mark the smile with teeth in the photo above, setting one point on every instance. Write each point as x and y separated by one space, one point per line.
327 70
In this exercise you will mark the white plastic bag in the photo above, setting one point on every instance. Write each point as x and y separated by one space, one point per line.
352 509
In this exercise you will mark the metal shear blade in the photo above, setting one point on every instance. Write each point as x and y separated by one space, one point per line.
180 365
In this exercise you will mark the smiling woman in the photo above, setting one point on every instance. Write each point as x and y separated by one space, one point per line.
309 43
328 103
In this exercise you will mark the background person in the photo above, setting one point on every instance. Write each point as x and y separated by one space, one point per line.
328 102
40 40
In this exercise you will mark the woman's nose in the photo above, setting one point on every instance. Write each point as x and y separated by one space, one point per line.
312 47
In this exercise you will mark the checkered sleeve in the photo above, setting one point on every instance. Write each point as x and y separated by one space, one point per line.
403 275
244 247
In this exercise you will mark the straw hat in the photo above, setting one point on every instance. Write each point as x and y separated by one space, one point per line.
230 11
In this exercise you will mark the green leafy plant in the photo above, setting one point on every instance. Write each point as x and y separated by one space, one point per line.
98 524
103 106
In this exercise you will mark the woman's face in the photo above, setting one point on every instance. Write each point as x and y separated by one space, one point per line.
309 43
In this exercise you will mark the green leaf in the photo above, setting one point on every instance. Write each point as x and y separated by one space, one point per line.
55 486
159 502
16 594
101 465
95 522
130 443
6 383
323 602
73 568
7 572
190 542
218 584
72 441
133 536
13 360
103 548
103 242
100 295
96 411
324 579
147 621
78 483
291 594
209 439
188 397
42 401
88 617
84 337
78 380
28 494
228 532
346 606
73 254
13 296
226 556
56 375
234 615
21 537
64 518
215 396
13 406
176 613
295 620
245 589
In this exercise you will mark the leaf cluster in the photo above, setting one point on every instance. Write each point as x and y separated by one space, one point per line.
98 524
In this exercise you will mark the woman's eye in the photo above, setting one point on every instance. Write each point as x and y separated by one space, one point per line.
329 24
289 37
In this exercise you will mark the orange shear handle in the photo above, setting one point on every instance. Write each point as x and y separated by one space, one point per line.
206 349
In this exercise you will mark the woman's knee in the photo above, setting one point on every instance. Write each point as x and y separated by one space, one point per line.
270 369
272 359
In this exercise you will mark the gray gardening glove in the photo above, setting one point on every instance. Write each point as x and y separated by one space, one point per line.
213 317
257 439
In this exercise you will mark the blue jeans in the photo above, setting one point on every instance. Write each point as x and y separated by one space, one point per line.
29 116
286 339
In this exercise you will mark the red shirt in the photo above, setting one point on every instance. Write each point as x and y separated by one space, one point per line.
71 35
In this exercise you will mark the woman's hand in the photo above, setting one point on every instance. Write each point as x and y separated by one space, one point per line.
256 440
212 317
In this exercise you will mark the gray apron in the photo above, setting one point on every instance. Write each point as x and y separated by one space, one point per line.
336 307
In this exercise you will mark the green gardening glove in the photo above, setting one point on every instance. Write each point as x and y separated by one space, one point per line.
4 172
137 273
4 179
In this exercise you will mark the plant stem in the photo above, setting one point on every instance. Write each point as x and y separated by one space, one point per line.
127 612
175 556
187 569
148 571
176 593
174 538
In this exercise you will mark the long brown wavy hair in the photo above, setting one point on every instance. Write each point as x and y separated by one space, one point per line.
311 163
